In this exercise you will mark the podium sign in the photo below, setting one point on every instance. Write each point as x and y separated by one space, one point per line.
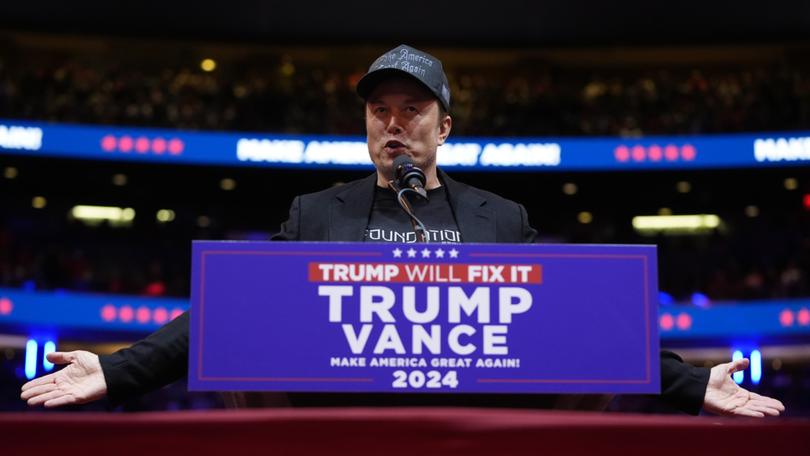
468 318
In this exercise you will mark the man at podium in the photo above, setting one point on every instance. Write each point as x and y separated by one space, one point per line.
407 104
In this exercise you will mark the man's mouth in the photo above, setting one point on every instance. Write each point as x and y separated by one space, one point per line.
394 147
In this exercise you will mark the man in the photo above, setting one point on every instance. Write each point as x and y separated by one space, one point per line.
407 103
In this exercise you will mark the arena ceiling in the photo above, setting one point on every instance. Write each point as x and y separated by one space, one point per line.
452 23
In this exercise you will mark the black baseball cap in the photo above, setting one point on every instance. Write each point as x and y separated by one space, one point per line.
405 60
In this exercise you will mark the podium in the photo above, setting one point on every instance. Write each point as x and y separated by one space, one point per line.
434 319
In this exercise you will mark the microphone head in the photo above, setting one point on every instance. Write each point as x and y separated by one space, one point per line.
408 175
401 164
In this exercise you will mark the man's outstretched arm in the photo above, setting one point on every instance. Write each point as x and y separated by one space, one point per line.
725 397
79 382
691 389
159 359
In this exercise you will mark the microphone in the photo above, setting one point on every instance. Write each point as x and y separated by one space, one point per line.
408 175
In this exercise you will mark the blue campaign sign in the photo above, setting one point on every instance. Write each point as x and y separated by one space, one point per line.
473 318
158 145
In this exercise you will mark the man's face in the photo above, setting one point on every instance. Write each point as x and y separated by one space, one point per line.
404 118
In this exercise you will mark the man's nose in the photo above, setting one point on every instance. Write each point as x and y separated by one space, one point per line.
394 125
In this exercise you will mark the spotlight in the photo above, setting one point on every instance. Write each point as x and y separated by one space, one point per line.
585 217
570 188
208 65
227 184
119 180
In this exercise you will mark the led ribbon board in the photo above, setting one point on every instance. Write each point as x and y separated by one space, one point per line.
350 152
366 317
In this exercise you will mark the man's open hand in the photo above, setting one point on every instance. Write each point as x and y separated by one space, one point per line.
80 381
725 397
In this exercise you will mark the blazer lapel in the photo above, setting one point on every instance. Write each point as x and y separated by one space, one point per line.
349 211
476 222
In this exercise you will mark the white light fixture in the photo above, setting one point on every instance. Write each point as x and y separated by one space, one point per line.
164 215
94 215
653 224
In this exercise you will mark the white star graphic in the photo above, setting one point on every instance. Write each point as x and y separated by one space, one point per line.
453 253
411 253
439 253
425 253
397 253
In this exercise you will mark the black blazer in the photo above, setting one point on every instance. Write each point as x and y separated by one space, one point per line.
341 214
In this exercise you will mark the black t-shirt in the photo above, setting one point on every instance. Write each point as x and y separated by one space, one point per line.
389 223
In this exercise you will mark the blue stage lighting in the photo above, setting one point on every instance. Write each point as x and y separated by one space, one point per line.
31 359
756 367
665 299
737 376
700 299
49 347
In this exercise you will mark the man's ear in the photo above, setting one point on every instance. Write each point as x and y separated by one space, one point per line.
444 128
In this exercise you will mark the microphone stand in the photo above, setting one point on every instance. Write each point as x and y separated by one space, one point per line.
418 226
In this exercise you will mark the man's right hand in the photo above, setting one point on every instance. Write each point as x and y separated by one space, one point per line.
82 380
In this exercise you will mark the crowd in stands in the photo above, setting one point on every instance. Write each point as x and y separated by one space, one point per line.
286 96
98 259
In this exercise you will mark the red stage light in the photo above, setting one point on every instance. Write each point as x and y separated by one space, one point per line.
108 143
160 315
6 306
108 312
684 321
671 152
125 144
176 146
803 316
143 315
126 314
639 154
156 288
807 201
667 322
142 145
786 317
158 146
655 153
622 153
176 313
688 152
